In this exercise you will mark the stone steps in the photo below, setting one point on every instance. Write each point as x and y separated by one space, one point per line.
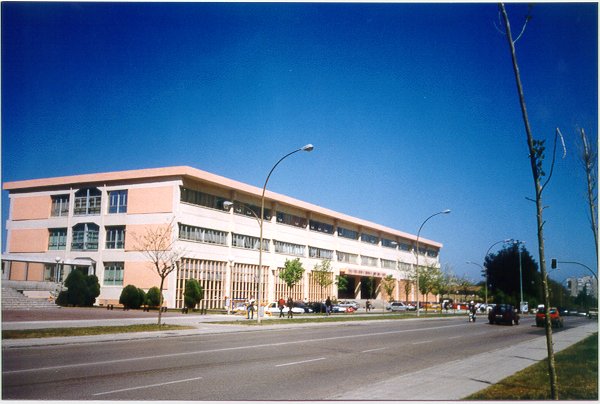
15 300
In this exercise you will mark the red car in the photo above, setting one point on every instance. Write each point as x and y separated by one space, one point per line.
555 317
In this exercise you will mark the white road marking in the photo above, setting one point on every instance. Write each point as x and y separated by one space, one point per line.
298 363
238 348
146 387
373 350
421 342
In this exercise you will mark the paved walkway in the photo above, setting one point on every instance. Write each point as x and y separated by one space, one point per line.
441 382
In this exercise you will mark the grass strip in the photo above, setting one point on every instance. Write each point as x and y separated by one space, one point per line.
317 318
576 373
82 331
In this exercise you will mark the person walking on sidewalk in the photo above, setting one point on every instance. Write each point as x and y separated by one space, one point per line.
281 305
290 304
250 309
328 305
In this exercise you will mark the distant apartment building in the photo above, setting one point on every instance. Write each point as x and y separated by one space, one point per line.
91 223
585 283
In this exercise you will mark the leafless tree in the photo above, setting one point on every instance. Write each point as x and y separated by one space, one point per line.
158 244
589 159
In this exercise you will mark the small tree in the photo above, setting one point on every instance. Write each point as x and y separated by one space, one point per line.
158 245
193 293
292 272
131 298
342 283
154 297
388 284
323 275
82 290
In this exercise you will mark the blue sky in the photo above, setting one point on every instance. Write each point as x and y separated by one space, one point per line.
412 108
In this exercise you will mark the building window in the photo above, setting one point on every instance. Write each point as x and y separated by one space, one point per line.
314 252
432 253
115 237
405 247
346 233
87 202
60 205
403 266
113 273
57 239
368 261
368 238
347 257
193 233
320 226
201 199
50 273
250 210
386 242
117 201
292 220
249 242
388 264
85 237
289 248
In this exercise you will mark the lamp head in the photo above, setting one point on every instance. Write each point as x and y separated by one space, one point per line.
446 211
308 147
227 205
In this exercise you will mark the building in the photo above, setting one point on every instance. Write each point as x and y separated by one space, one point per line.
94 222
585 283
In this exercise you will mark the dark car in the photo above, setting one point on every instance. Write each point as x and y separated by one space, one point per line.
503 313
303 306
317 307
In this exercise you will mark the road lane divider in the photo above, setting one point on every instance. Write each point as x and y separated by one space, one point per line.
300 362
146 386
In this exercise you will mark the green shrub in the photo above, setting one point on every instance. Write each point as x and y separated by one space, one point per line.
193 293
82 290
153 297
131 298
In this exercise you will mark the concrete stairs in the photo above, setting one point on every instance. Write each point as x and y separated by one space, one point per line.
12 299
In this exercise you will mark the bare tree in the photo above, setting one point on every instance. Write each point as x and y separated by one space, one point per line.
323 275
589 158
536 157
157 243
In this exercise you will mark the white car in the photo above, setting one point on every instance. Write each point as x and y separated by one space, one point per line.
398 306
273 309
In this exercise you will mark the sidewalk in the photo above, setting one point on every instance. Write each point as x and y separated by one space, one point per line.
458 379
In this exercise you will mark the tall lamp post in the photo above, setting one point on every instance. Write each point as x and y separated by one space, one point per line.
417 256
486 269
307 148
517 242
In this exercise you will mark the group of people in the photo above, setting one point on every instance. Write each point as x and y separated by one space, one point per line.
281 305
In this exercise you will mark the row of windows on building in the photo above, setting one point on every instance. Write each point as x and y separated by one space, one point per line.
216 202
88 202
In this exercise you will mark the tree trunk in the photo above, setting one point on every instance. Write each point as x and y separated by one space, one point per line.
162 281
539 207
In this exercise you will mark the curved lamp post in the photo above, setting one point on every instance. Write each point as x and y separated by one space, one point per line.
417 256
228 204
484 267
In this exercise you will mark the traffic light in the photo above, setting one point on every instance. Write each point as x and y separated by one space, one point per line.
553 265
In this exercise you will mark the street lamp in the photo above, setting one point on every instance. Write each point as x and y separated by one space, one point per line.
486 269
417 256
227 204
517 242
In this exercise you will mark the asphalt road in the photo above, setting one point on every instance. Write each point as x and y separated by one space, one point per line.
319 362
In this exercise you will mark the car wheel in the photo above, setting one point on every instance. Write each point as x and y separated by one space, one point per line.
516 322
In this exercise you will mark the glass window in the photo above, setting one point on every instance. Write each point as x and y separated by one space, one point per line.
113 273
57 239
346 233
115 237
292 220
87 202
320 226
193 233
389 264
117 201
368 261
368 238
250 242
405 247
250 210
200 198
289 248
386 242
347 257
322 253
85 237
60 205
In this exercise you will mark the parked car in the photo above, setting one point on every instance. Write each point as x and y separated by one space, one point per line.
398 306
273 309
503 313
303 306
317 307
349 303
555 317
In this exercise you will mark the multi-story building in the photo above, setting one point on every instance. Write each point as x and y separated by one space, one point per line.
94 222
585 283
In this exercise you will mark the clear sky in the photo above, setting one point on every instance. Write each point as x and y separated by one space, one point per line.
412 108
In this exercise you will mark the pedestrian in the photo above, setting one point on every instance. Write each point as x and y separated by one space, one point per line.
250 309
290 304
281 306
328 305
368 305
